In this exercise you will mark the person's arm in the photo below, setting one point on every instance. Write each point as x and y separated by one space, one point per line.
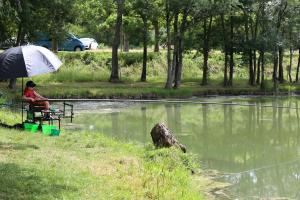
40 96
28 99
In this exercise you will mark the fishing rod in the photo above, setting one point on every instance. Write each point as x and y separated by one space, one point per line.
172 101
225 174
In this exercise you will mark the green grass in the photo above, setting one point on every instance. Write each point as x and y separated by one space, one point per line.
86 74
95 66
148 90
79 165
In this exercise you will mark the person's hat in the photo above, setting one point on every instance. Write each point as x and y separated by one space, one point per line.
30 84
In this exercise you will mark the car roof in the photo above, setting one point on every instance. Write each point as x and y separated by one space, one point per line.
87 39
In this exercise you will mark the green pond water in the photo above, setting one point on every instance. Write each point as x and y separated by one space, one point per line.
255 148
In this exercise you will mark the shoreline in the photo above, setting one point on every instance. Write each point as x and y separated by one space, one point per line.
149 97
143 91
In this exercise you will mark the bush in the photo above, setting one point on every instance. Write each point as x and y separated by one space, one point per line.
135 57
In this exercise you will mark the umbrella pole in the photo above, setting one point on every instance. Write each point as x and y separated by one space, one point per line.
22 97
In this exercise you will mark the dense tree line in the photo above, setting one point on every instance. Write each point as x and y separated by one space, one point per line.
22 20
255 29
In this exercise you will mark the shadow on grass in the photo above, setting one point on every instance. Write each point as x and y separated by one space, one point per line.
16 146
24 183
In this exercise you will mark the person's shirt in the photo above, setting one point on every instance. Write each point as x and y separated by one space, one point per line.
29 93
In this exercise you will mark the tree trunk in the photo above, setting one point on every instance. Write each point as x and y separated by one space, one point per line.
262 83
280 18
156 35
275 65
254 36
12 83
114 77
126 43
291 64
179 64
254 65
231 60
261 66
176 47
248 50
251 71
205 53
20 36
258 70
225 81
231 66
206 38
298 66
54 44
170 76
280 75
181 49
145 41
121 43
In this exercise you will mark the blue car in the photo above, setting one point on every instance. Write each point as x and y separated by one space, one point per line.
70 43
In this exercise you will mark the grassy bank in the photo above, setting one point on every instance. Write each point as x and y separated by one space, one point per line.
85 75
149 90
90 166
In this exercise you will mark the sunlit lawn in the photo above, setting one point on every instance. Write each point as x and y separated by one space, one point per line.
81 165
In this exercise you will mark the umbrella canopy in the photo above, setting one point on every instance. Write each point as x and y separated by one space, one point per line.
27 61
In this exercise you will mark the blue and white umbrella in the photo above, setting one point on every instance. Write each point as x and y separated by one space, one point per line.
27 61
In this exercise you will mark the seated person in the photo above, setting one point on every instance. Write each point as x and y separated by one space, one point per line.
33 97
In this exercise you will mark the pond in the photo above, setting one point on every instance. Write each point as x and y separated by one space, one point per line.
255 148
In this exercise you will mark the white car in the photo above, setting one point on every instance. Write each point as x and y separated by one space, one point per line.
89 43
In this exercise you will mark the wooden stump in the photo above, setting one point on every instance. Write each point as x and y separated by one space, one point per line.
163 137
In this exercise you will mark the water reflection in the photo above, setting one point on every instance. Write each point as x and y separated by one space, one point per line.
255 147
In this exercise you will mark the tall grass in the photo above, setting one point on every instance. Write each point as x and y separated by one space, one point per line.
96 66
9 117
